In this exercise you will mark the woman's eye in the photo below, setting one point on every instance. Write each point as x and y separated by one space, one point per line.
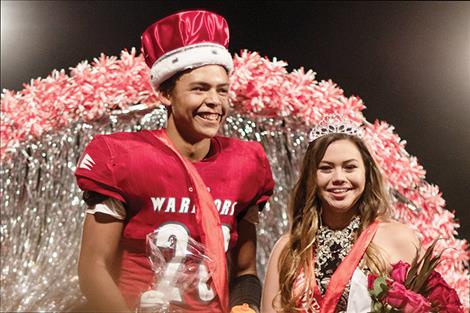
350 167
324 168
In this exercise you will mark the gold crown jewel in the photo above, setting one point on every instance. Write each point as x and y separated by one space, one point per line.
334 124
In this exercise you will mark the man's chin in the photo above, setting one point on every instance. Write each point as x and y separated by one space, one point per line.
207 133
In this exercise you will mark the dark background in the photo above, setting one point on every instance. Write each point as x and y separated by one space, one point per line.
408 61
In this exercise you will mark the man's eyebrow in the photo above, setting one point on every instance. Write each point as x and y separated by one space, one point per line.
201 83
198 83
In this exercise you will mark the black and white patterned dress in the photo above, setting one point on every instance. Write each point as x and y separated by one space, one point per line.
332 247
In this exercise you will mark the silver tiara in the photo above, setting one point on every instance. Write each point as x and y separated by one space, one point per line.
334 124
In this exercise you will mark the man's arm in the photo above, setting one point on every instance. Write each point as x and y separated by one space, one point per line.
245 286
98 255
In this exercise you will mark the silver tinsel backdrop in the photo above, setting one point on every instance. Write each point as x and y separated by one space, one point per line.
42 211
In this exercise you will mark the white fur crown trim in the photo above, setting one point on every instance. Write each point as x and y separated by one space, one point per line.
189 57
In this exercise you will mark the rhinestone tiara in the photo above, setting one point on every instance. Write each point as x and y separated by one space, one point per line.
334 124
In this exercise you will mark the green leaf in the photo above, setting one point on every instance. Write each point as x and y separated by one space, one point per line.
421 269
379 288
428 264
413 271
377 307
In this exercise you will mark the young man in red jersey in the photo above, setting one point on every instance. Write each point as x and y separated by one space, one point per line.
184 181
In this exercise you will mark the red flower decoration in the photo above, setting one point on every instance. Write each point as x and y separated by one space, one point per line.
406 300
414 288
370 281
399 272
442 296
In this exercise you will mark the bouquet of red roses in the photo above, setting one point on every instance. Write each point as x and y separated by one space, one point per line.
415 288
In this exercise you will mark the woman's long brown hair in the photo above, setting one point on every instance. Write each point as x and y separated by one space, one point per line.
304 214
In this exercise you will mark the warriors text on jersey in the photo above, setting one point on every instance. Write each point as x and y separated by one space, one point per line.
141 172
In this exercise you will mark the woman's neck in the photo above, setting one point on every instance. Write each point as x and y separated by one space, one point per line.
337 221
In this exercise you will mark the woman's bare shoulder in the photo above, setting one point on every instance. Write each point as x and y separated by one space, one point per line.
399 241
281 242
276 252
397 231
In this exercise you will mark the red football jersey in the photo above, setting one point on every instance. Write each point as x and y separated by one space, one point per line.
139 170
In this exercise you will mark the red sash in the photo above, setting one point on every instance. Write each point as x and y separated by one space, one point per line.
207 218
344 272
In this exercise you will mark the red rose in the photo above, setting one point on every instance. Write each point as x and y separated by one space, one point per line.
399 271
442 297
407 301
370 281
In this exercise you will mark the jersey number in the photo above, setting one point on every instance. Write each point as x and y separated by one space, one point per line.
177 233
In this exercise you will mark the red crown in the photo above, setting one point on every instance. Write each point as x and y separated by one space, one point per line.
185 40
